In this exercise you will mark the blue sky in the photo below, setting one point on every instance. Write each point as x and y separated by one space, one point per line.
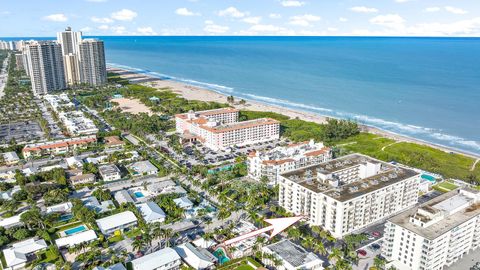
242 17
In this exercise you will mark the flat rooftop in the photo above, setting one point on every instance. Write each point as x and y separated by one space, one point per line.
292 253
388 175
445 202
241 125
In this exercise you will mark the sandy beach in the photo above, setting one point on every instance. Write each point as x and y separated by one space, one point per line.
197 93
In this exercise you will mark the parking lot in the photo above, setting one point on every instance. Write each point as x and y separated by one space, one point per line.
55 131
21 132
197 154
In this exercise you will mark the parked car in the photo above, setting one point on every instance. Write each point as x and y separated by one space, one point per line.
362 252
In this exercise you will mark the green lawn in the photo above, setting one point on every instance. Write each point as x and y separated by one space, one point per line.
244 267
116 238
445 186
47 256
415 155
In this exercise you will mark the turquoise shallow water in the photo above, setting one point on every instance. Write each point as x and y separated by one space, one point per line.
426 88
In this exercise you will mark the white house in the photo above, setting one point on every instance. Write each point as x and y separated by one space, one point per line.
143 168
151 212
74 162
19 253
60 208
120 221
75 239
292 256
11 222
109 172
164 259
122 196
183 203
197 258
117 266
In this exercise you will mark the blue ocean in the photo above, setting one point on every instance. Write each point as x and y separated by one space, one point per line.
425 88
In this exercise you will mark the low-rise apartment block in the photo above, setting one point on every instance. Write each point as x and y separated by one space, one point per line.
77 124
272 163
435 234
109 172
349 193
219 129
58 147
164 259
118 222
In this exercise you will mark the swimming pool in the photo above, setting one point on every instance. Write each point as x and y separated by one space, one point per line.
65 217
139 194
428 177
220 254
75 230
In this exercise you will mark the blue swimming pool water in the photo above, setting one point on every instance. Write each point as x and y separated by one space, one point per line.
75 230
139 194
428 177
65 217
222 258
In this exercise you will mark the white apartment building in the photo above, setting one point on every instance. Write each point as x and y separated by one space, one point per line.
163 259
272 163
435 234
109 172
45 66
93 70
69 41
77 124
349 193
219 129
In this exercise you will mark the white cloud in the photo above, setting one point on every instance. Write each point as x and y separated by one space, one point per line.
432 9
292 3
101 20
212 28
5 13
332 29
362 9
124 15
304 20
343 19
86 29
275 16
185 12
455 10
232 12
388 20
266 29
252 20
146 31
469 27
59 17
119 30
175 32
104 27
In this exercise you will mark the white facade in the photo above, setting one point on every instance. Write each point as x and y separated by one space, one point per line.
45 66
93 70
349 193
164 259
17 256
109 172
219 129
120 221
436 234
272 163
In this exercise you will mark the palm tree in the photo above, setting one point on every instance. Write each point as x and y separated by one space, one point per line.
137 244
147 238
335 254
308 241
379 262
320 248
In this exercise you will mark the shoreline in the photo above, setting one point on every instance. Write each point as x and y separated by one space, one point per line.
191 92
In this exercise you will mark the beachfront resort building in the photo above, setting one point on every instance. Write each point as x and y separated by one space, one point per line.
272 163
348 193
220 129
58 147
436 234
108 225
164 259
93 70
292 256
